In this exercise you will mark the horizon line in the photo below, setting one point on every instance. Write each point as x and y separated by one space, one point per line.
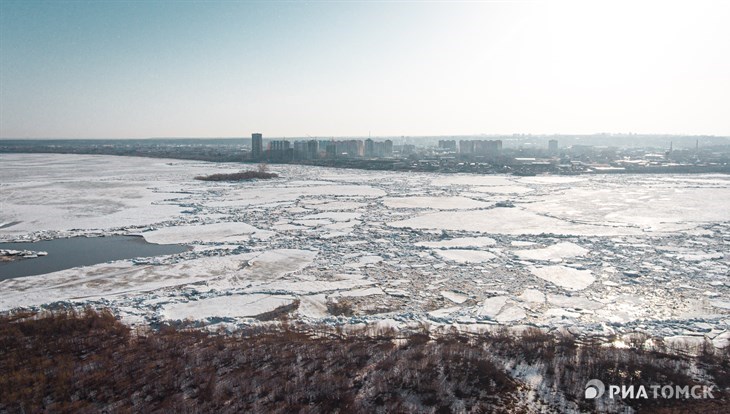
308 137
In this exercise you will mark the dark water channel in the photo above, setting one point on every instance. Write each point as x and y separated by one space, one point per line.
80 251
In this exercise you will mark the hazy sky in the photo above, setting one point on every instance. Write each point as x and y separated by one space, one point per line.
209 69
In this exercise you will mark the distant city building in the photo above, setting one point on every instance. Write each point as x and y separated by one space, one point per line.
257 146
407 149
330 149
480 147
323 144
300 150
488 147
369 147
387 148
553 145
313 149
448 145
286 151
280 145
466 147
280 150
306 150
346 149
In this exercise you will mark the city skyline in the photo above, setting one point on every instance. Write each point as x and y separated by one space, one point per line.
221 69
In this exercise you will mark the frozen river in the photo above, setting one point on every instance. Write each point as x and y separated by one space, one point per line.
604 254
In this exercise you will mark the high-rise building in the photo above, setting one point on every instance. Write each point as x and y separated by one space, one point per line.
466 147
300 150
280 150
306 150
553 145
348 149
257 146
331 149
312 149
387 148
481 147
488 147
369 147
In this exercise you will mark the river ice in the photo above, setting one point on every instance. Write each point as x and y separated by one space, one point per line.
603 254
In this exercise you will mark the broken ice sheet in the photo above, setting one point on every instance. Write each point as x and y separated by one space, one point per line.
487 251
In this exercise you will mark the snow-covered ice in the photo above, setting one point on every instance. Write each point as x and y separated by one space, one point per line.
436 203
466 256
207 233
460 242
532 296
454 296
234 306
632 252
502 220
571 279
490 307
556 251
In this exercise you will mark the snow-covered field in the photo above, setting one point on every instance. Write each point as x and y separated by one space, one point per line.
603 254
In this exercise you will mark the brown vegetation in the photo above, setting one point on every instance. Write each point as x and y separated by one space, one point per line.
260 173
89 362
340 307
70 362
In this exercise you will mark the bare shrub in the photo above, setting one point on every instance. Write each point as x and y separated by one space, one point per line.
341 307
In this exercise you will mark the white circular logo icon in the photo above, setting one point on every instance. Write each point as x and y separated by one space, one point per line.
594 389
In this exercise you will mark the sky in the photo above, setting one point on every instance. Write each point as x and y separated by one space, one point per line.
140 69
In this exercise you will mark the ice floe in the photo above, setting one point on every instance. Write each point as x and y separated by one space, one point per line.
566 277
437 203
234 306
224 232
460 242
466 256
556 251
